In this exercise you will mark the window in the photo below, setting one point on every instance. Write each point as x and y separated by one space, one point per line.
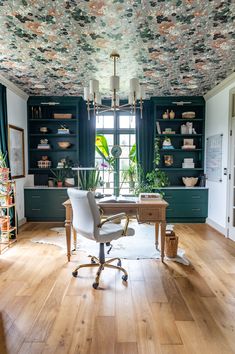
119 130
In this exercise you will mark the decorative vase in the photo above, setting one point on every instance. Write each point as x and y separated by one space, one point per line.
172 114
59 184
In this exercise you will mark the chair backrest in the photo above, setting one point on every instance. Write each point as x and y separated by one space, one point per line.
86 215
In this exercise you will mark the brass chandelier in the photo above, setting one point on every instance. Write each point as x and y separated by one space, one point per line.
93 100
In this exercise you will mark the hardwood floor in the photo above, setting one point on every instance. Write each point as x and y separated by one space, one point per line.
165 308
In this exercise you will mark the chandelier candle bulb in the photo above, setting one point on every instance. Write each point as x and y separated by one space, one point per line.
98 98
94 87
131 99
114 83
134 86
142 93
86 93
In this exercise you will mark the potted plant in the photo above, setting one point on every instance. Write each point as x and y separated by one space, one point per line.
130 174
4 170
102 148
89 180
59 174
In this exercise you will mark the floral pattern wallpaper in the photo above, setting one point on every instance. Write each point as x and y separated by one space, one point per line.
175 47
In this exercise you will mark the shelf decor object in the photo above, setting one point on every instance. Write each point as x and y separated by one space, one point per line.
7 202
93 97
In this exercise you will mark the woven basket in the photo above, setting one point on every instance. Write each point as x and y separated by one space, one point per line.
44 164
171 246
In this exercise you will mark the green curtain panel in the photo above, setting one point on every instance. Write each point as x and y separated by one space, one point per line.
87 137
4 135
145 137
3 122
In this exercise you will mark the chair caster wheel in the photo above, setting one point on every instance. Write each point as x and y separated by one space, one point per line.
95 285
93 262
124 277
75 273
119 263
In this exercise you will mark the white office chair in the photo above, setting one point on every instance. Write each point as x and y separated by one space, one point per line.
87 222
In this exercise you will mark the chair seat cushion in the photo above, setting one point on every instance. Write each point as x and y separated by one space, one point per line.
111 231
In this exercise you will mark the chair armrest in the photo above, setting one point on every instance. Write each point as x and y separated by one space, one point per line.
115 217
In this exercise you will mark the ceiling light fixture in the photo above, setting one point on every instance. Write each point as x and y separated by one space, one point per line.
135 100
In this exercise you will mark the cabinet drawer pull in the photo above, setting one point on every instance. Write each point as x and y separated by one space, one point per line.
168 196
196 209
36 196
168 209
196 196
36 209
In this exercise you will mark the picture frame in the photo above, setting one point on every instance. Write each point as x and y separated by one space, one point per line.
16 151
188 142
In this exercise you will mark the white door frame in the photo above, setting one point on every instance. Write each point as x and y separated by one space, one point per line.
231 173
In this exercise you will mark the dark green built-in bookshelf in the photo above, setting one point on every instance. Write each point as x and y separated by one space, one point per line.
41 112
180 105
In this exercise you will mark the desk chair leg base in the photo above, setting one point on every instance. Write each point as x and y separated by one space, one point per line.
94 260
119 263
75 272
117 267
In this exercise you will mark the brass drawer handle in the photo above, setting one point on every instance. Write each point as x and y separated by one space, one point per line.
169 209
196 209
196 197
36 209
36 196
168 196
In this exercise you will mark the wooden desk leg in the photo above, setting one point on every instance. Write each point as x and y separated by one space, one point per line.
156 234
68 238
163 235
74 239
68 221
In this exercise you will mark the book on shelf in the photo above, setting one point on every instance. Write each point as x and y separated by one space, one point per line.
158 128
168 132
188 147
44 146
149 196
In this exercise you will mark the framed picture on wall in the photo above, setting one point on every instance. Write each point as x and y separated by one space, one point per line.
16 151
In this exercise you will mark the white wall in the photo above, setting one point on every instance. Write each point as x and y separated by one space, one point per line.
17 115
217 122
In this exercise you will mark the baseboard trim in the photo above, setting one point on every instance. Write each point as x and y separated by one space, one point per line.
217 227
22 222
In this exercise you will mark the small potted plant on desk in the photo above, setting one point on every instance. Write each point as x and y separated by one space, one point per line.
59 176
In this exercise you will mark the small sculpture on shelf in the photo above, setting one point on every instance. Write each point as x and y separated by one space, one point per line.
167 144
172 114
168 160
44 162
63 129
44 145
166 114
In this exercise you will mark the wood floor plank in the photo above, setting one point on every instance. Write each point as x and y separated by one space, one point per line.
105 333
126 348
124 311
31 348
59 339
147 340
173 349
210 330
165 324
179 307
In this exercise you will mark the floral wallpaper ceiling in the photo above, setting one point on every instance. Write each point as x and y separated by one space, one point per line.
175 47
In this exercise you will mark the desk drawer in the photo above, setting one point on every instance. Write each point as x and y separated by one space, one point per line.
151 214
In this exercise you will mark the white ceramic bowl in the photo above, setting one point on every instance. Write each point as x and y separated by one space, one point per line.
190 181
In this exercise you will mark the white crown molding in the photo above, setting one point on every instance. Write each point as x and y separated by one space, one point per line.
221 86
13 88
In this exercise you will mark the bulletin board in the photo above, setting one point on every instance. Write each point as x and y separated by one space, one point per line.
214 158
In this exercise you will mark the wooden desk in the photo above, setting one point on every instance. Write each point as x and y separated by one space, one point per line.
144 211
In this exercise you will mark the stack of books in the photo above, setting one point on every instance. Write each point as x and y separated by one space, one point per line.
188 144
44 146
63 131
150 196
188 163
168 131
